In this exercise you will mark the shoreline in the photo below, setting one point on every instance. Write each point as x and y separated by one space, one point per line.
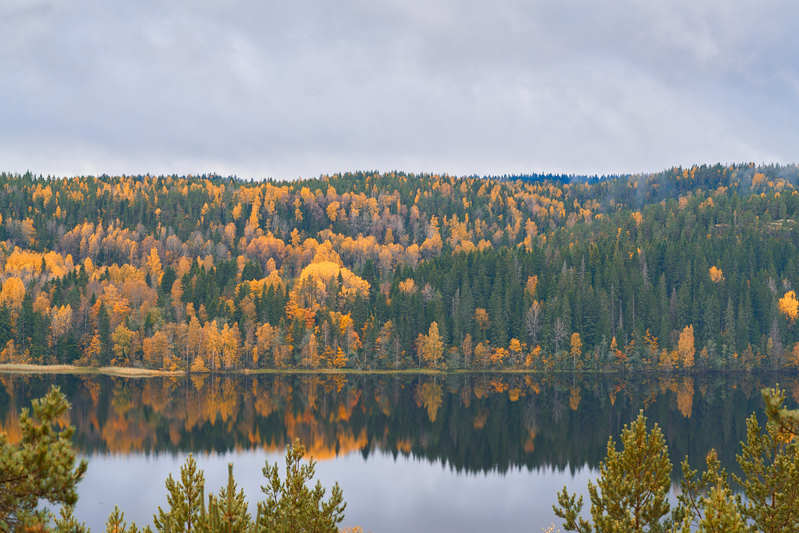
124 371
120 371
133 372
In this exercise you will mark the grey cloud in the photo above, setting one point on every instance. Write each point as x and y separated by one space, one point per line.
290 89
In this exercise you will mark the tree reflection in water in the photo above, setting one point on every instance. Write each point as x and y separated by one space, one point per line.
472 422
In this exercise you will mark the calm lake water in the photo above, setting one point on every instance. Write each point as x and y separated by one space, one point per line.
477 452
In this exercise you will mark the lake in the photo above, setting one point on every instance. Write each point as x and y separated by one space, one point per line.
463 452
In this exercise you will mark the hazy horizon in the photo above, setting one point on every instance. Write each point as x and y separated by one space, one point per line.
553 173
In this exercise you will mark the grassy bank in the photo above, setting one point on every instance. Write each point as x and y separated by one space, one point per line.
11 368
132 372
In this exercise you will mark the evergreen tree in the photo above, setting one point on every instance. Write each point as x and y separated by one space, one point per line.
67 523
104 331
185 498
631 493
721 513
291 506
116 523
5 325
42 466
769 462
227 512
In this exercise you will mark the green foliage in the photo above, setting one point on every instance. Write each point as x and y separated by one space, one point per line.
116 524
634 483
721 513
695 488
706 503
292 506
628 257
185 499
41 467
67 523
769 461
227 511
631 493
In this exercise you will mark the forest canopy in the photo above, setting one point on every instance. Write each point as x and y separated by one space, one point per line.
682 270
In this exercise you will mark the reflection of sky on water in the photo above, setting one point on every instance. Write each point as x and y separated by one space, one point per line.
383 494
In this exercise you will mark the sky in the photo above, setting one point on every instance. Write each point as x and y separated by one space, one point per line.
296 89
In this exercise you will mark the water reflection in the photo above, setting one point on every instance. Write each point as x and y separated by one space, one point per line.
471 422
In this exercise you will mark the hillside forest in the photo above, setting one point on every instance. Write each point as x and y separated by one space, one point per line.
689 269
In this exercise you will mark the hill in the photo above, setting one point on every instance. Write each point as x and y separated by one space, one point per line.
686 269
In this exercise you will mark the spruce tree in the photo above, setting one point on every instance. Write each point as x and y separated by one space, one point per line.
104 331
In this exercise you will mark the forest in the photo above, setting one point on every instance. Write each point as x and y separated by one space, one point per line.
685 270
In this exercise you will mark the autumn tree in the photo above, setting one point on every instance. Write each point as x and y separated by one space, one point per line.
789 305
575 349
123 339
431 346
157 351
685 346
716 274
340 359
532 258
12 292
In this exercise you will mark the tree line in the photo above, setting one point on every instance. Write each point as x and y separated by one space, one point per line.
683 270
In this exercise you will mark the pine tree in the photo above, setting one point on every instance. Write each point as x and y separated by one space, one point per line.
705 502
227 512
186 501
769 461
631 494
116 523
41 467
293 507
5 325
67 523
721 513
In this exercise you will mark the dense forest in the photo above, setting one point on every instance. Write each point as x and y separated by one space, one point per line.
683 270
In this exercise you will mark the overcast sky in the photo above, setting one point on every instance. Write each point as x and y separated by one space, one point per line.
294 88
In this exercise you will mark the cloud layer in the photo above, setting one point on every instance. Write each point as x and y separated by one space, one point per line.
287 89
